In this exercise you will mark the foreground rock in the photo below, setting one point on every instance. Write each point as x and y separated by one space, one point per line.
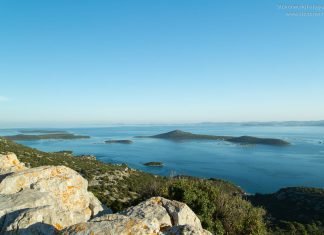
43 199
153 216
54 199
9 163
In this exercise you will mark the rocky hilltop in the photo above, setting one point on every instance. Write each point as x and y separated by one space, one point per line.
55 200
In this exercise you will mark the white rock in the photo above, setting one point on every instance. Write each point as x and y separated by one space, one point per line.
149 212
113 224
51 199
48 197
9 163
181 214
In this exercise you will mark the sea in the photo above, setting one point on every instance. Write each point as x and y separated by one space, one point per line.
255 168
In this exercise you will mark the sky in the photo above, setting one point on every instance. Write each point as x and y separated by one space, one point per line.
82 62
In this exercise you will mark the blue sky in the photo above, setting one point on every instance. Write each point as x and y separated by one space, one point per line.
83 62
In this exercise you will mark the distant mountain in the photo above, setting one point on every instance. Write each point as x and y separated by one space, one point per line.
287 123
63 136
182 135
274 123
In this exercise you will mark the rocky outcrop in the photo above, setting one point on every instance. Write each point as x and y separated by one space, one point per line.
54 199
43 199
156 215
9 163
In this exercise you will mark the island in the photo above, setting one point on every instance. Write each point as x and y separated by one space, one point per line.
177 135
64 136
118 142
42 131
155 164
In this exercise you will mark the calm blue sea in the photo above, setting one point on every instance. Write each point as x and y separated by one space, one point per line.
258 168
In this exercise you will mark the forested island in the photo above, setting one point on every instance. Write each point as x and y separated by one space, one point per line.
118 142
182 135
154 164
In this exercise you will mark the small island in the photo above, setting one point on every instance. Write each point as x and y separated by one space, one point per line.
155 164
178 135
63 136
118 142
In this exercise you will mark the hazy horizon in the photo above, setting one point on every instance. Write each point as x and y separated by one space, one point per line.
112 124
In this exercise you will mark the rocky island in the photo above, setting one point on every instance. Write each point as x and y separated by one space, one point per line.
118 142
155 164
182 135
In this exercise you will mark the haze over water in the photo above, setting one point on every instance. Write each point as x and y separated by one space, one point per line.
256 168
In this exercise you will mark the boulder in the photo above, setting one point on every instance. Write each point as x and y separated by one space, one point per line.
150 212
112 225
156 215
44 198
180 213
9 163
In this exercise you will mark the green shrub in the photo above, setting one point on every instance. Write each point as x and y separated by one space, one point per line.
219 212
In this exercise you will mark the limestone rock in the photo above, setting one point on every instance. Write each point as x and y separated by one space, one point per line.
44 199
54 199
112 225
9 163
149 212
22 200
180 213
156 215
96 207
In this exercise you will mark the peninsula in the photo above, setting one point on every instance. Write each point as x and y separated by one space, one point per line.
182 135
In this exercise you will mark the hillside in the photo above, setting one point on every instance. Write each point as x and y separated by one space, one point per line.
221 206
50 200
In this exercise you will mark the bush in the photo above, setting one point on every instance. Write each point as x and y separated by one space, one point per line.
219 212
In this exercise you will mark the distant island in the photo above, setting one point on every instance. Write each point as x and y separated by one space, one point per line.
182 135
156 164
64 136
273 123
43 131
118 142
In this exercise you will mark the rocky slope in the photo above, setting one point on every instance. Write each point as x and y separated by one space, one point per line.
55 199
